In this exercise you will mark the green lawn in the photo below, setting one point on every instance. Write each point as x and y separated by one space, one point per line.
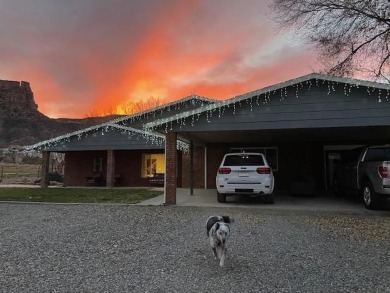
77 195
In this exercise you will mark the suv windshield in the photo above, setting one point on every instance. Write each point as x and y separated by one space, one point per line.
244 160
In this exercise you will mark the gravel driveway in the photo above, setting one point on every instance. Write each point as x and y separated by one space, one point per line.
125 248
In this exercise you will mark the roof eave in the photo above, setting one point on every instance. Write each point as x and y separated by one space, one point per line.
159 123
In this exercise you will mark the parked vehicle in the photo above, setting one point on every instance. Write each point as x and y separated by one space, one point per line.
246 174
365 170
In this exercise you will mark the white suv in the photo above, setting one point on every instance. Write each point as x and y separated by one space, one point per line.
245 174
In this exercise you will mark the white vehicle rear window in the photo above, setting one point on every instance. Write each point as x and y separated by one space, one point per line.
243 160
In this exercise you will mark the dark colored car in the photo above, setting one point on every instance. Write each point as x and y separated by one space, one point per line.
365 170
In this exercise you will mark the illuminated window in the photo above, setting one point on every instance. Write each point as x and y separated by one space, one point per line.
152 164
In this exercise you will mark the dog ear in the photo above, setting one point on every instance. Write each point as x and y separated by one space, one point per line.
228 219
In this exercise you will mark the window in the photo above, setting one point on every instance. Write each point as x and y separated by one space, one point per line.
351 156
152 164
98 164
271 154
243 160
377 154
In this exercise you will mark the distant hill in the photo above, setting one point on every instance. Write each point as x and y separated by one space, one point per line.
22 124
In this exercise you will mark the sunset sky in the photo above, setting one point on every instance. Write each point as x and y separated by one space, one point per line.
83 56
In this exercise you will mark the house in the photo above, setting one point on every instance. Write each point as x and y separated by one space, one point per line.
302 126
118 152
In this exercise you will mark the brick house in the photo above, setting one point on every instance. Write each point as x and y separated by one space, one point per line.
302 126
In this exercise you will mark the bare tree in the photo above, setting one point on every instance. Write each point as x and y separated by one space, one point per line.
107 111
350 35
131 107
128 108
152 102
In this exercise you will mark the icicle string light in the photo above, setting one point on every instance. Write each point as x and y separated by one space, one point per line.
210 107
253 99
309 83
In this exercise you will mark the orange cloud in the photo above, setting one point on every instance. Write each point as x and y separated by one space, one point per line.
109 55
161 67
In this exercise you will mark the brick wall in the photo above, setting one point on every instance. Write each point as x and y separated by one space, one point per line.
110 168
171 168
215 154
79 165
294 160
128 166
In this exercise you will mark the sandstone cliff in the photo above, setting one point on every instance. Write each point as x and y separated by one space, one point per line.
22 124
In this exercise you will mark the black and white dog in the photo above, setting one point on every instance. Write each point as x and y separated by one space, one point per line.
218 232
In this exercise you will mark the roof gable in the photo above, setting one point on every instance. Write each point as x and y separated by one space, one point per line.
137 119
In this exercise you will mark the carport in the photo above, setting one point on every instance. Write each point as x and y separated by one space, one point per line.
302 125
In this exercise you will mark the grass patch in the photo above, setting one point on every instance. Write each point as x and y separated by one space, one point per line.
77 195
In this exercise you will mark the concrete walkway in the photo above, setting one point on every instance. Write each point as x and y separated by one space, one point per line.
208 198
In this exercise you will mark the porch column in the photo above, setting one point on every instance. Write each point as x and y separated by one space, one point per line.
170 169
205 168
191 167
45 169
110 174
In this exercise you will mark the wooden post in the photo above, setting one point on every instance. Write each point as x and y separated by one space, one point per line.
110 174
191 167
45 169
